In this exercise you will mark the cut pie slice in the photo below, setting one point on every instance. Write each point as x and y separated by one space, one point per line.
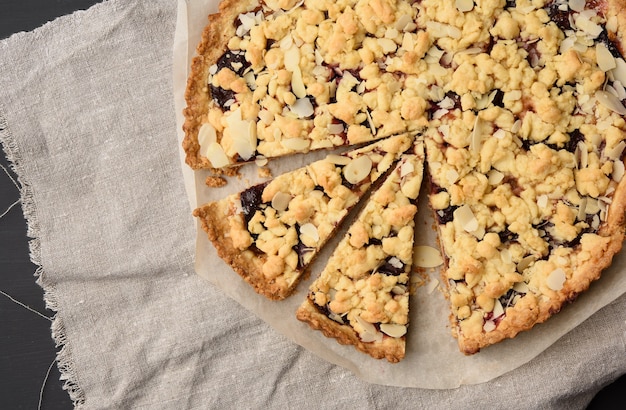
273 78
271 232
361 297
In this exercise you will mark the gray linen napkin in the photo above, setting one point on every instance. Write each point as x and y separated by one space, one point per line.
87 119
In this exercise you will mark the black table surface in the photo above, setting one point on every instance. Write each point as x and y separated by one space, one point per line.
27 351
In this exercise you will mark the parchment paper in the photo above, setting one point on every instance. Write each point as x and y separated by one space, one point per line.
433 360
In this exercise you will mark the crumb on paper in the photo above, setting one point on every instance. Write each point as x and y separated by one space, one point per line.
215 181
265 173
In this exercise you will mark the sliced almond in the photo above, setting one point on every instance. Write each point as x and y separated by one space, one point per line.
489 326
466 218
604 58
295 144
542 201
618 171
308 233
280 201
498 310
393 330
525 263
206 136
336 129
297 83
302 108
216 155
495 177
369 332
407 168
619 72
338 159
464 5
521 287
261 161
426 257
358 169
610 101
556 279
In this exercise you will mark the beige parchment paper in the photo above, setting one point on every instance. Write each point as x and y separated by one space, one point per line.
432 360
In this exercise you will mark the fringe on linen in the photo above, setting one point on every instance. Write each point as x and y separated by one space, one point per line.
64 358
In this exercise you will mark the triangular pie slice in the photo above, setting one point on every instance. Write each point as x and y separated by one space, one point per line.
361 297
271 232
273 78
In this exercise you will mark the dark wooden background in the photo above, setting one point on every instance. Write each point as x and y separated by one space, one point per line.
26 347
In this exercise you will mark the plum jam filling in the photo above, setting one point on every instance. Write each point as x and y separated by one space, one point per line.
236 62
251 200
392 266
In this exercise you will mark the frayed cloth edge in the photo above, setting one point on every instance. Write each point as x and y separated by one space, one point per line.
63 356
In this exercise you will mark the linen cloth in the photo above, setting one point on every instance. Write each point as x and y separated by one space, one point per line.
88 121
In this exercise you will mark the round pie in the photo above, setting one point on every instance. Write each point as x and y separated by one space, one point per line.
514 109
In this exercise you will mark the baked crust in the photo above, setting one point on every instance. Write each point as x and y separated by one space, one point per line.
389 348
213 44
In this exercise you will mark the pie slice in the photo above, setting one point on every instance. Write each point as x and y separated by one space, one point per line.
362 295
526 167
271 232
273 78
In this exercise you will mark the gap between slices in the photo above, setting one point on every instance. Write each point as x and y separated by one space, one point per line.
361 297
522 110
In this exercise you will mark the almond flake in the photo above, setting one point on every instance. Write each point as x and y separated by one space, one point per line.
498 310
358 169
206 135
216 155
369 332
466 218
406 169
335 129
524 264
495 177
610 101
338 159
604 58
297 83
261 161
295 144
302 108
584 23
489 326
618 171
393 330
542 201
426 257
556 279
619 72
308 230
280 202
521 287
577 5
464 5
452 176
